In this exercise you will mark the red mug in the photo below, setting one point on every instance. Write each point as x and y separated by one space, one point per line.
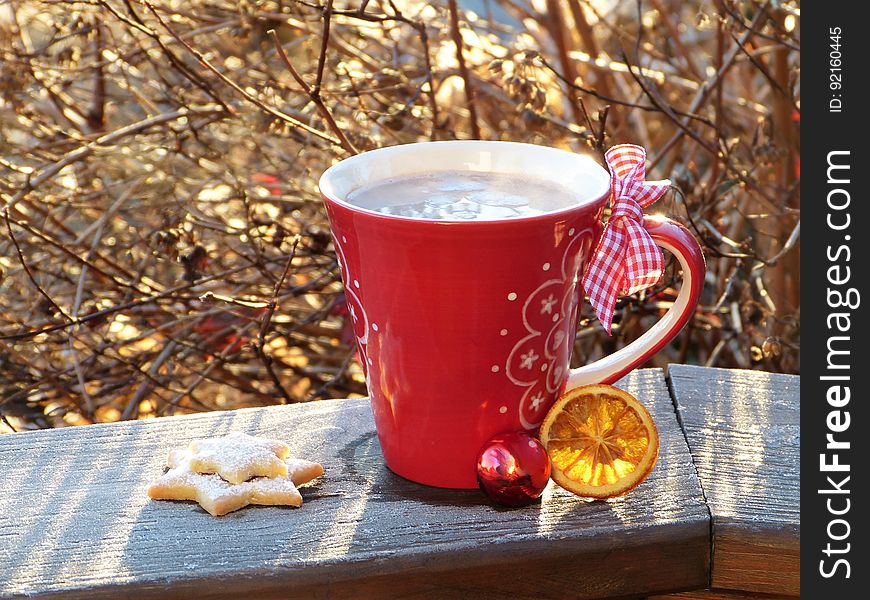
465 328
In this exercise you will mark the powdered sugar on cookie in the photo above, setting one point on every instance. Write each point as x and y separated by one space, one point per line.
238 456
218 496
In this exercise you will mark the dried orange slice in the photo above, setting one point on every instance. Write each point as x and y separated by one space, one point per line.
602 442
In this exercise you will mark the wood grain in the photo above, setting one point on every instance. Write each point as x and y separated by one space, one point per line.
75 521
743 428
720 595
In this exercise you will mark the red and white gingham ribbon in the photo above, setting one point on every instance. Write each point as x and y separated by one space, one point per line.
626 259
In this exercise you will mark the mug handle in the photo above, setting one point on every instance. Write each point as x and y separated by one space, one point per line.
671 236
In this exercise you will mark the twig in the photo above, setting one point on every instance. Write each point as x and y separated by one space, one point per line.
110 138
666 109
99 314
97 114
419 26
77 302
314 91
335 379
708 86
602 130
219 359
613 100
6 422
770 78
463 69
557 32
588 39
234 301
267 320
30 276
751 27
84 262
789 244
326 16
664 15
280 115
132 408
136 22
430 93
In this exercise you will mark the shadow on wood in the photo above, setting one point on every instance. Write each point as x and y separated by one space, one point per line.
75 521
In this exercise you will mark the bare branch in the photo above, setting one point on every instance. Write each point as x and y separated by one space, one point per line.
463 69
314 91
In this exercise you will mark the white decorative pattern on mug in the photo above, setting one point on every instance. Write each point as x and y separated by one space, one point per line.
355 308
536 364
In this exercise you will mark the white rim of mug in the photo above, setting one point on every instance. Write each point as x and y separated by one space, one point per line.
598 195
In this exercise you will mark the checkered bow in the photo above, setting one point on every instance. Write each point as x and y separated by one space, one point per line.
626 259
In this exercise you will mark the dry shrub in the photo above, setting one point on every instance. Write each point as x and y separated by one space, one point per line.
158 167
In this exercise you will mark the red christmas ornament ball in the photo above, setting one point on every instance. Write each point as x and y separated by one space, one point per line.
513 468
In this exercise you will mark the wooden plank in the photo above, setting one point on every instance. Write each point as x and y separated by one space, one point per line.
75 521
743 429
720 595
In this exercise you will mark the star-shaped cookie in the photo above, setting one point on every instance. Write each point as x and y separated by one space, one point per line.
220 497
238 456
